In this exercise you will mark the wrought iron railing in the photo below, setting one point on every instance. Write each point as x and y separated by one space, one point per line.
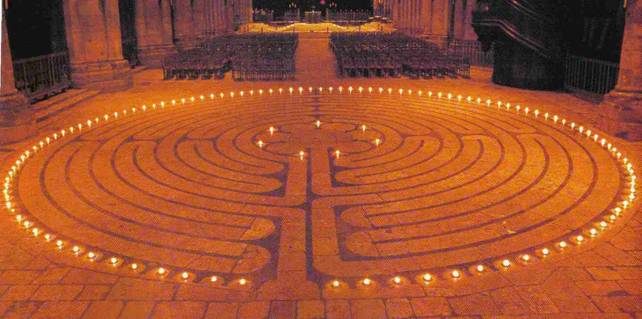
41 76
470 49
585 75
347 16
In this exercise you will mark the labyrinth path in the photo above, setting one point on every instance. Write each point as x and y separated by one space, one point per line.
345 186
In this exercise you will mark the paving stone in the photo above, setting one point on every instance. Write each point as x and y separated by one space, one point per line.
478 304
179 309
430 306
282 309
310 309
94 292
19 292
60 310
221 310
21 310
103 310
56 292
137 309
135 289
336 309
399 308
256 309
367 309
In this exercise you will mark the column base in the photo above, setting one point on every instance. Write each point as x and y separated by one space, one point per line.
104 76
620 114
152 56
17 121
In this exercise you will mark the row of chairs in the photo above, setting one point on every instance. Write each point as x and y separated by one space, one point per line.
394 54
253 56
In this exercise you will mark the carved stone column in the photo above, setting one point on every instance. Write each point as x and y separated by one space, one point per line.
621 111
154 31
16 116
95 46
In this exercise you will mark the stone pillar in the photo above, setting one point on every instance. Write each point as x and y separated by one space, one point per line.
459 17
184 17
426 13
154 31
16 116
469 32
439 17
95 45
621 111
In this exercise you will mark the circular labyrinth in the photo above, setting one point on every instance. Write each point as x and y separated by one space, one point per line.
320 186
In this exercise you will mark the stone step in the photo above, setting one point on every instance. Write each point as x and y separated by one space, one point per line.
44 104
62 103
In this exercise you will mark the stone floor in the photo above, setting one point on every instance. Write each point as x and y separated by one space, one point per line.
433 184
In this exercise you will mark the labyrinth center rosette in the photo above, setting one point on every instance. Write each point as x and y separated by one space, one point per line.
321 182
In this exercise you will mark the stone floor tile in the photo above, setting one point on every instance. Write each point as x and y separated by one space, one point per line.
103 310
56 292
430 306
337 309
136 310
222 310
477 304
137 289
628 304
282 309
178 310
310 309
398 308
631 286
254 310
20 310
367 309
60 310
94 292
51 275
19 292
18 277
509 302
599 288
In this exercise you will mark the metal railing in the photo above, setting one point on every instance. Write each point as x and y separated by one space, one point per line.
585 75
347 16
470 49
41 76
